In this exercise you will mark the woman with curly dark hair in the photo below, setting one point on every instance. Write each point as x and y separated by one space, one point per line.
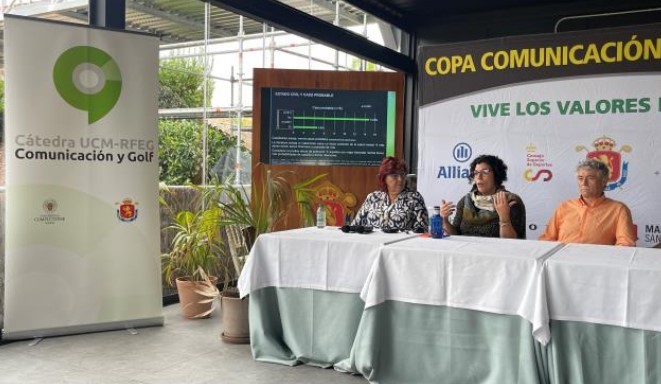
488 210
393 206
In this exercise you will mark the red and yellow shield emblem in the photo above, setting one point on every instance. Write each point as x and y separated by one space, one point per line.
604 151
613 161
127 210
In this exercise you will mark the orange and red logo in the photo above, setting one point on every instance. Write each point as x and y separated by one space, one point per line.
127 210
604 152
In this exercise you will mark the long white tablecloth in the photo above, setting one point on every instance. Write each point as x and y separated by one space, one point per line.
314 258
606 285
493 275
326 323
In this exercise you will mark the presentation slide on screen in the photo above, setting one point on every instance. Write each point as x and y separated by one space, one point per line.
327 126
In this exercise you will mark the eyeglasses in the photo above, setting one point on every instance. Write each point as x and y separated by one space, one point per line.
397 175
484 173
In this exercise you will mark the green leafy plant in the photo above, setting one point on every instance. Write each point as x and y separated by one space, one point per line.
306 199
197 244
181 83
271 199
180 150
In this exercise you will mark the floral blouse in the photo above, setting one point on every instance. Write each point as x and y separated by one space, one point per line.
408 212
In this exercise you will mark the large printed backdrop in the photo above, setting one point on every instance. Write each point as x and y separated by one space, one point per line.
543 103
82 224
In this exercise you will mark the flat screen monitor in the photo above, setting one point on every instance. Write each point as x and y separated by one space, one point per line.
327 126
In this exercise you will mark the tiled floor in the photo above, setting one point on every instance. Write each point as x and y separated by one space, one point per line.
182 351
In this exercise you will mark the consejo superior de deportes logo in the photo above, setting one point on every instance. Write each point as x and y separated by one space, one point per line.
88 79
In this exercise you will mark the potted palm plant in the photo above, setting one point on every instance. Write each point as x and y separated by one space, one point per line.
244 219
195 259
271 200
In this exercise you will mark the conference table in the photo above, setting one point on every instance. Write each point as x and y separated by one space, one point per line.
605 310
457 310
304 287
404 308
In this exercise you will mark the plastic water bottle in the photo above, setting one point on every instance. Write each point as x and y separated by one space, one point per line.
436 227
321 216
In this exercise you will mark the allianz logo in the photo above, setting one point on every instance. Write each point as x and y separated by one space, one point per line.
462 152
453 172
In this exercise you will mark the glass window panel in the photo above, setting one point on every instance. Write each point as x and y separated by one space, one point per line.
231 58
351 18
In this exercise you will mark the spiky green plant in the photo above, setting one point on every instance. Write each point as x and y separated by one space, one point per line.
306 199
271 199
197 242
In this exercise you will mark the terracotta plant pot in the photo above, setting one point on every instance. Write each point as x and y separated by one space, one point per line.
234 312
189 300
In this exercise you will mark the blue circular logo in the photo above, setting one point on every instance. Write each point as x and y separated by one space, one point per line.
462 152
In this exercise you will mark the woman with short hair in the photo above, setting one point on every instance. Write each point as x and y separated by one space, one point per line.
393 206
489 209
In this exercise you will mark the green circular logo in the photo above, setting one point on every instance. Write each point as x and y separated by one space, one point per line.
88 79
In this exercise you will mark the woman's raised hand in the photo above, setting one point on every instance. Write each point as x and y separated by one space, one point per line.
447 209
502 206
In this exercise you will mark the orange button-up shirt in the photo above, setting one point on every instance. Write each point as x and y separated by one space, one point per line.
606 221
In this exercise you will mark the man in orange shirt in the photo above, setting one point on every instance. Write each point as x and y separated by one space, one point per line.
592 218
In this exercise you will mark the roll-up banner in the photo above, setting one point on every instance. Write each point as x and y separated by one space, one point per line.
543 103
82 223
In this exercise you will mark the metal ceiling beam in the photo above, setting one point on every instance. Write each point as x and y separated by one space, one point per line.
75 15
179 19
164 37
343 12
385 13
292 20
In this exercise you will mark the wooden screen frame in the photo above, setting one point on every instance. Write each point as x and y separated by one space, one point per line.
359 180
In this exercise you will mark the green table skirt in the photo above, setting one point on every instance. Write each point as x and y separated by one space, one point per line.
401 343
587 353
413 343
303 326
394 342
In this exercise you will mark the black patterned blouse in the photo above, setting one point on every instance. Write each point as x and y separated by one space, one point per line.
408 212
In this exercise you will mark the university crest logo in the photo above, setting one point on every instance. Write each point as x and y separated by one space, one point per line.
127 210
604 152
49 206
